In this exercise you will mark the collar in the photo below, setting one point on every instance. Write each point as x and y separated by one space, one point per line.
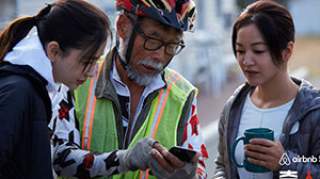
29 51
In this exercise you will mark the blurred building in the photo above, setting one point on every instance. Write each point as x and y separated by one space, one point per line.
10 9
205 59
305 14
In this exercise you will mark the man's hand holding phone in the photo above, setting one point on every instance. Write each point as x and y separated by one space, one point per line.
186 155
176 162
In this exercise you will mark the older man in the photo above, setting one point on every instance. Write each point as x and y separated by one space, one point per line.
135 97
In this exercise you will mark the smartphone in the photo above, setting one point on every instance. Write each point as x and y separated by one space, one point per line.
183 154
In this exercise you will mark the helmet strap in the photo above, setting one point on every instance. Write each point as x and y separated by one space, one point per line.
123 62
128 53
131 43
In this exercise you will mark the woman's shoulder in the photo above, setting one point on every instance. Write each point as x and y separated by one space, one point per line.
21 77
308 95
16 85
17 96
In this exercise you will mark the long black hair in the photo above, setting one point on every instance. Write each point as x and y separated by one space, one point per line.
72 23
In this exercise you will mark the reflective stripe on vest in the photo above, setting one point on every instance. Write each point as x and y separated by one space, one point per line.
89 113
163 97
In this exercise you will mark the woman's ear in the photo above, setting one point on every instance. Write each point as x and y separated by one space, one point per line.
123 26
53 50
287 52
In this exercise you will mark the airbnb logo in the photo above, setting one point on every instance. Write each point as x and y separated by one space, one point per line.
285 160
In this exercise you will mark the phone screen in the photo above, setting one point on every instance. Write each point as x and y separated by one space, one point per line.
183 154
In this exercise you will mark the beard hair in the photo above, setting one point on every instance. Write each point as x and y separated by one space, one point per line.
144 79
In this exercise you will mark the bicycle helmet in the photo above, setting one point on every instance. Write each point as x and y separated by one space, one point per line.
179 14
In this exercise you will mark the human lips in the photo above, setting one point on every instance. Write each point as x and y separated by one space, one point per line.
151 66
79 82
251 72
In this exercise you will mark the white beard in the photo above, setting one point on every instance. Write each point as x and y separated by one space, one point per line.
144 79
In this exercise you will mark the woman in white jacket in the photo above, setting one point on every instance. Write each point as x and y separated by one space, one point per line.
68 37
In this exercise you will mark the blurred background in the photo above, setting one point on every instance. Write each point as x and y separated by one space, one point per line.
207 61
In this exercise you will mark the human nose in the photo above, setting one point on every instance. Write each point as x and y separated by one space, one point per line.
248 59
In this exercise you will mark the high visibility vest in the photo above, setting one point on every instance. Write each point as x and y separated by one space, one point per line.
98 122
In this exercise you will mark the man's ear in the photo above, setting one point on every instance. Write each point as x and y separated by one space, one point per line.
53 50
123 26
287 52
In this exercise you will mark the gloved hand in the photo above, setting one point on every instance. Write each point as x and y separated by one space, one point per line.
137 157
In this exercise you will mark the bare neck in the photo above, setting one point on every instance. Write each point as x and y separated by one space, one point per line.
280 90
134 89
